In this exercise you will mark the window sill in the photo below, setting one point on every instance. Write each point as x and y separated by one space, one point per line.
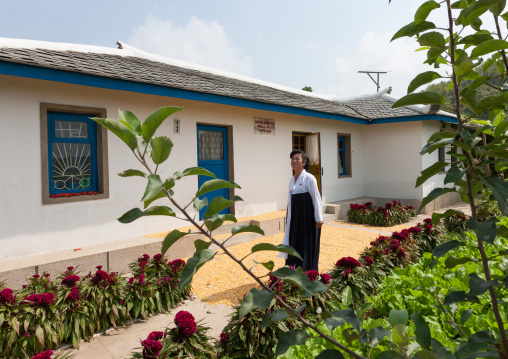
49 200
345 176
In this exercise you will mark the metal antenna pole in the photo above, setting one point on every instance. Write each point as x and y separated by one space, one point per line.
374 72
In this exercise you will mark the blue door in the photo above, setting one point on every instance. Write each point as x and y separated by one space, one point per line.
213 155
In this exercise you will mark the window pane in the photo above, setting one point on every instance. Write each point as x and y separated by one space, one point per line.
72 166
211 145
71 129
341 162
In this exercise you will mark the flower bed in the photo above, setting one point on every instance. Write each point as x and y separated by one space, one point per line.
70 308
391 214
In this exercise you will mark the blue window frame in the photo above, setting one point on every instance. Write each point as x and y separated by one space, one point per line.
342 155
72 153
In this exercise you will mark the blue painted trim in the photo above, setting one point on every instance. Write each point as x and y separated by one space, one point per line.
49 74
414 118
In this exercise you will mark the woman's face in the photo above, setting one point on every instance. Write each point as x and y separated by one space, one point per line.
297 162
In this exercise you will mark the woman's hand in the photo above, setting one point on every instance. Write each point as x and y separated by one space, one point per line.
319 224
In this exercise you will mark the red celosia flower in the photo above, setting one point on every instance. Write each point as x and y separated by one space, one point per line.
70 281
376 252
156 335
141 279
26 335
101 277
151 348
399 236
158 258
177 264
186 323
6 296
312 275
369 261
395 245
405 233
99 267
386 250
401 253
427 221
131 280
36 276
223 339
348 262
347 273
368 204
74 295
325 278
144 258
388 206
142 265
428 228
44 355
381 239
40 300
70 268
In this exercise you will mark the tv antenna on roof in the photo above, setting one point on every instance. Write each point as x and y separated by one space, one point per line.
374 72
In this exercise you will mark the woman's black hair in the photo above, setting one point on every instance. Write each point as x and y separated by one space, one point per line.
305 158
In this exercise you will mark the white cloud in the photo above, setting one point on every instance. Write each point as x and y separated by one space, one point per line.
199 42
375 52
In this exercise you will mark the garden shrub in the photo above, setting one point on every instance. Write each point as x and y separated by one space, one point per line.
187 339
456 223
254 337
391 214
486 205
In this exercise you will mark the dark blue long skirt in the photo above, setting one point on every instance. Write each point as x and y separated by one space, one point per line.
304 236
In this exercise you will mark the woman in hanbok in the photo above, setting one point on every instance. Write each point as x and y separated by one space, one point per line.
304 216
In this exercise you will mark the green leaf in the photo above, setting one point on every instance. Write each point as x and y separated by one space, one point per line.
389 354
427 354
130 121
155 119
425 9
161 148
435 193
168 184
433 39
193 171
377 334
216 205
422 79
246 229
215 184
420 98
214 222
475 39
398 317
459 296
489 46
129 173
366 306
198 204
492 103
276 316
473 12
171 239
153 187
399 336
478 286
349 316
436 217
254 299
454 174
466 314
193 265
290 338
268 265
463 65
485 231
201 244
444 248
276 248
429 172
452 261
301 280
330 354
416 27
136 213
422 331
498 8
347 296
499 188
120 130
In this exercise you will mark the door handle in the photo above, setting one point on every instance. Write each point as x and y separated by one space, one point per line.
322 171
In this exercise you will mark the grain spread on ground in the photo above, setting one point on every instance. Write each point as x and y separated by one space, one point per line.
222 281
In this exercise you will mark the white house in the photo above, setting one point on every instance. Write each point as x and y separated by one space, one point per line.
359 147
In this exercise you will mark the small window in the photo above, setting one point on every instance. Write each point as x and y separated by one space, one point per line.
344 154
74 154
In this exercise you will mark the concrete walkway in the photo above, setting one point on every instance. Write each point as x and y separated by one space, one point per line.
119 344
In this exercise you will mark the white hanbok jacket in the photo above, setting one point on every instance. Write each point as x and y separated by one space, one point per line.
306 183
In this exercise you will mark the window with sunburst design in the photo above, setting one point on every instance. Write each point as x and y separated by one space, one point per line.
72 153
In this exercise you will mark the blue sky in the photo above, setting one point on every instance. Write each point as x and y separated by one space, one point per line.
295 43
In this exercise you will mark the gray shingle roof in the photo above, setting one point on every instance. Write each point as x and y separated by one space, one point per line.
138 69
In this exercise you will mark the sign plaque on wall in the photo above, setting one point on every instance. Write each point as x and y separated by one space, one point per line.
264 126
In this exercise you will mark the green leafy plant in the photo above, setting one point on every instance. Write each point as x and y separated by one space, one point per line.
487 205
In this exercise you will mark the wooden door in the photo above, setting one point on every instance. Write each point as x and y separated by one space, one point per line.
313 151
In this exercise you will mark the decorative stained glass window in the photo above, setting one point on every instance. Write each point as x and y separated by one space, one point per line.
72 153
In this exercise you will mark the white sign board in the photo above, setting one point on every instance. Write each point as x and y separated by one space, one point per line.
264 126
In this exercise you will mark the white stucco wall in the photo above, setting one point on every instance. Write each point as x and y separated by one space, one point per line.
261 165
391 159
